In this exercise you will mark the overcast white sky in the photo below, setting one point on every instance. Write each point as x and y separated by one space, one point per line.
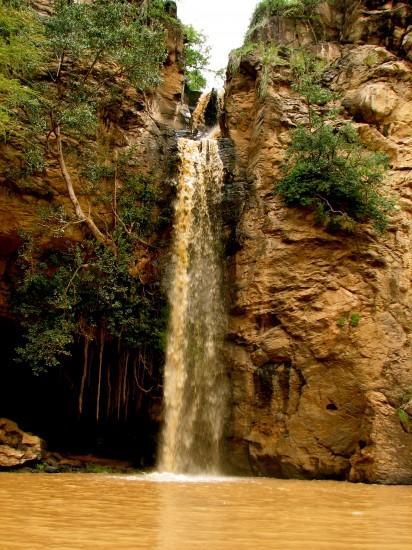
223 21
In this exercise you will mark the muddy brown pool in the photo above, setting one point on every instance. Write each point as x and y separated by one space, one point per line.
94 511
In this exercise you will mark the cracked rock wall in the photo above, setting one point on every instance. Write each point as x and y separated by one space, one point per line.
319 343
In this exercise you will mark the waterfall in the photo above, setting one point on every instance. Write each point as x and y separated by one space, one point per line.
198 115
194 380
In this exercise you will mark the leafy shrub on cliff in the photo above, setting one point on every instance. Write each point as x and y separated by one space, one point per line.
327 167
404 411
330 170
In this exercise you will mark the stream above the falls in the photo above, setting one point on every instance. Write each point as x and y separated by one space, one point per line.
86 511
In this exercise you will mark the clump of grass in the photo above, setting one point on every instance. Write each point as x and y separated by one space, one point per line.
351 320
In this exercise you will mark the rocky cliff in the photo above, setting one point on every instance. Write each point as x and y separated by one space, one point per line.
142 123
319 345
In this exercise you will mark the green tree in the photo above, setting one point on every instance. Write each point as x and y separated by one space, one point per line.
84 56
197 55
98 48
59 73
327 167
21 54
64 294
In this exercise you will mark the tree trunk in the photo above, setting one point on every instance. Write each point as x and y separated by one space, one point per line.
87 219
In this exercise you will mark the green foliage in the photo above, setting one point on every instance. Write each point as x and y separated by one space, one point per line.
34 159
351 320
21 40
196 54
67 294
291 8
330 170
403 416
59 72
327 167
402 411
109 31
268 55
21 55
308 73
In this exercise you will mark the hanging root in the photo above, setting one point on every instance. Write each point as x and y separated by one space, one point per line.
85 372
109 390
99 381
126 365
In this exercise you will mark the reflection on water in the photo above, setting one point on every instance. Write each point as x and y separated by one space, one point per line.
68 512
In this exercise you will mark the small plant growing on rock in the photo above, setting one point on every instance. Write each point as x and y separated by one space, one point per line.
404 411
351 320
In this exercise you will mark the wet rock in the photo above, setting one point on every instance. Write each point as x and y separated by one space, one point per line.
16 446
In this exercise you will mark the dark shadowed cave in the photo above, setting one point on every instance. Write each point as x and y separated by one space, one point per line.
47 405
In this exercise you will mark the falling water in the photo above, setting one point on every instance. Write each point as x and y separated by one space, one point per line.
194 376
198 115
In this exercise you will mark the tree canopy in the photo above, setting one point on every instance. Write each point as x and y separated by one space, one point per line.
58 73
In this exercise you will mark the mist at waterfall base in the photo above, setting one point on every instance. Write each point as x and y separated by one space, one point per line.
194 380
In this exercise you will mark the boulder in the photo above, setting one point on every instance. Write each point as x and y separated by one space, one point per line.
16 446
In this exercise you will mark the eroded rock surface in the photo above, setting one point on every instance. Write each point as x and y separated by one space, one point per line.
319 345
16 446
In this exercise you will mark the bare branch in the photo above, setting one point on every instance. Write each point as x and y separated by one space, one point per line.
330 206
73 277
88 220
59 68
144 390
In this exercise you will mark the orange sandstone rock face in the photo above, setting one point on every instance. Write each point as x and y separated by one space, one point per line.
16 446
319 345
